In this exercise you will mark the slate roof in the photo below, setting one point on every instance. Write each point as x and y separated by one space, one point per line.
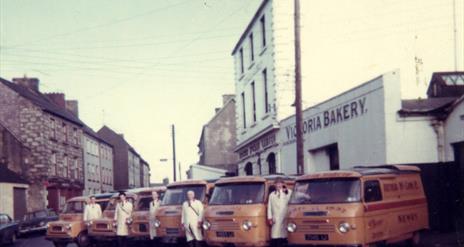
42 101
9 176
89 131
429 105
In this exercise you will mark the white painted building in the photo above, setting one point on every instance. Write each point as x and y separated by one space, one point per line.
205 172
340 46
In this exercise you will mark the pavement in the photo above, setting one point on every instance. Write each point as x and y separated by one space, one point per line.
430 239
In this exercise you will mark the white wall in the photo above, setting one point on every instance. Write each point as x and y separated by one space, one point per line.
199 172
6 197
454 130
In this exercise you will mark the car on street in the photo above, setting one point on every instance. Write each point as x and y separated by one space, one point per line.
8 230
36 221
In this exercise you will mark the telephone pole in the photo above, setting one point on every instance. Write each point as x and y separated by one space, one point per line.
298 104
174 168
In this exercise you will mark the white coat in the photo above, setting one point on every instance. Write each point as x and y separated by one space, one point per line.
92 212
122 213
277 211
192 215
154 205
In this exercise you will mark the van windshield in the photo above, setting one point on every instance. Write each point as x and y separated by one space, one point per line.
243 193
75 207
324 191
112 204
178 195
143 203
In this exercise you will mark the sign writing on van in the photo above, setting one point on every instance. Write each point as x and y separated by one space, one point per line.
330 117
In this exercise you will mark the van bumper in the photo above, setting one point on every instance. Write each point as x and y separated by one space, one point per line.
325 245
172 240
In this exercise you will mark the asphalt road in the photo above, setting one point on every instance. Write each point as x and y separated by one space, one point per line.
430 240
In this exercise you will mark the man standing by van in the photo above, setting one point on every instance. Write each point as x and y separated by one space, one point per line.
92 210
192 217
121 215
154 205
276 213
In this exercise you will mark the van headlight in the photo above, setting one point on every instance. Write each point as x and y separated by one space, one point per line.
89 223
291 227
246 225
115 224
344 227
157 223
68 227
206 225
129 221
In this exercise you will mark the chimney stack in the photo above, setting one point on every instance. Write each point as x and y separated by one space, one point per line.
226 98
30 83
73 107
57 98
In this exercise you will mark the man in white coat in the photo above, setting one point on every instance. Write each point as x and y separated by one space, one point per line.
277 211
154 205
192 218
122 214
92 210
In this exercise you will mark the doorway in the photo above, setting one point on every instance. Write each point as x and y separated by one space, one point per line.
19 203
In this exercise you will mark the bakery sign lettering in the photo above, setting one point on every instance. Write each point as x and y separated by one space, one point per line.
257 146
330 117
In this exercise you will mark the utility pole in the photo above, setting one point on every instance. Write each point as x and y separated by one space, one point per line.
174 168
298 104
455 33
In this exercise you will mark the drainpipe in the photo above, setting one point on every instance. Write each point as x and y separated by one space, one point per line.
440 132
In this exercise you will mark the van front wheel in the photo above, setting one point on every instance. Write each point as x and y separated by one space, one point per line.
415 240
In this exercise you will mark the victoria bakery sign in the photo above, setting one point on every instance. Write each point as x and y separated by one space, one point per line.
329 118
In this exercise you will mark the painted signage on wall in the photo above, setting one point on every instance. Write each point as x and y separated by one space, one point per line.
258 146
328 118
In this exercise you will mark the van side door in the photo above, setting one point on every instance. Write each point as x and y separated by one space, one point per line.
375 220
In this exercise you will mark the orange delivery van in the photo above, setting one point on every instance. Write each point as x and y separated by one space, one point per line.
140 228
365 206
237 211
168 215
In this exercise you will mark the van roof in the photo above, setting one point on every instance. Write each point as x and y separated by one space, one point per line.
78 198
360 171
147 189
103 195
253 179
188 182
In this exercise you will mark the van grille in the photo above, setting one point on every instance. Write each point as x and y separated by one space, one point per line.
310 227
172 231
143 228
101 226
57 229
224 225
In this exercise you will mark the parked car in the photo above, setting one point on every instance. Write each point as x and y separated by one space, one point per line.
8 229
37 221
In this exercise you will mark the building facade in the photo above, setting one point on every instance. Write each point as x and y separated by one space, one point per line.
264 60
218 138
145 174
98 160
372 125
128 168
52 134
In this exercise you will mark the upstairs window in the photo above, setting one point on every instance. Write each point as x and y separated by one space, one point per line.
252 50
242 66
253 94
243 110
263 31
53 128
266 97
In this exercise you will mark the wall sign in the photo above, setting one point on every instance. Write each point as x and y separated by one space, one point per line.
329 118
257 146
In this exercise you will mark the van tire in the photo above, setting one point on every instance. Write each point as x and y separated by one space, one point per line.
57 244
415 240
82 240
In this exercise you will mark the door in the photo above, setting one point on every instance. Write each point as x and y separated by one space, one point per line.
19 202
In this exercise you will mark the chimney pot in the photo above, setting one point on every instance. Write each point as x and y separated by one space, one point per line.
30 83
57 98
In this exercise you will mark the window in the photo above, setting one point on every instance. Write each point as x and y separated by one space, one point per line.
252 50
249 169
243 110
332 151
65 132
53 167
254 100
263 31
65 166
53 128
75 137
242 66
74 168
372 192
266 97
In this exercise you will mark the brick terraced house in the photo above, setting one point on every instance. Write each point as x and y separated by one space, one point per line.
45 126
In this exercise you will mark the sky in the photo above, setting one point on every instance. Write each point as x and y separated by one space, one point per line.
139 66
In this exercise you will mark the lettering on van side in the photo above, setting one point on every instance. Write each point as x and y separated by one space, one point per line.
407 218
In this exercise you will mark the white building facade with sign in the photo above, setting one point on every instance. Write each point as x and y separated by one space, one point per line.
360 127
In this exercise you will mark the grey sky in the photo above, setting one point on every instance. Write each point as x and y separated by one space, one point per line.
140 65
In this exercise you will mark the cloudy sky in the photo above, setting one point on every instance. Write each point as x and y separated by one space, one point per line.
139 66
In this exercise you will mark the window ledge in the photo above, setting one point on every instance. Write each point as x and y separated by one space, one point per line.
241 76
243 132
252 64
263 50
265 116
253 125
